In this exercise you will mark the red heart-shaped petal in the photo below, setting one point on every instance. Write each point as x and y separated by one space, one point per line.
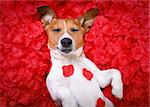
68 70
88 75
100 103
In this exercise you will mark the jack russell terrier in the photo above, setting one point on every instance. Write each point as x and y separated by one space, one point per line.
74 80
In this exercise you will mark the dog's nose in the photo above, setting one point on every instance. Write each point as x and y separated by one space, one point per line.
66 42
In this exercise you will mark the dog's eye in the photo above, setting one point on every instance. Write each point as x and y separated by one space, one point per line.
57 30
74 29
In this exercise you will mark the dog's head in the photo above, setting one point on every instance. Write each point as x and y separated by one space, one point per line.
66 35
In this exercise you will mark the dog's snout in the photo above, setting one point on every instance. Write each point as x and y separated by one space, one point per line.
66 42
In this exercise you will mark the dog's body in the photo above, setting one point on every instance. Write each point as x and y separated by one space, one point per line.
74 79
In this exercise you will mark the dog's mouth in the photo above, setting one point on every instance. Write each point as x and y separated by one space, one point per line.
65 50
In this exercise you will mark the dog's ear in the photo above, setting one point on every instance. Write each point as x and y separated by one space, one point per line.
88 18
47 14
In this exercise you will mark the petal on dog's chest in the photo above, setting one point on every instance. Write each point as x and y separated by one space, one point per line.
68 70
100 103
88 75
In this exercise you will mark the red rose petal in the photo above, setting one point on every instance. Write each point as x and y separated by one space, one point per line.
68 70
87 74
100 103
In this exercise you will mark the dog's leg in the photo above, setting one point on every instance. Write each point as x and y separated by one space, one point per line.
61 94
105 77
66 98
112 76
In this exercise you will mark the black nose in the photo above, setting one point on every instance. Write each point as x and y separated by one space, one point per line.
66 42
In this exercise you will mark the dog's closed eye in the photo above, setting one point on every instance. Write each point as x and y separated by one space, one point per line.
74 29
57 30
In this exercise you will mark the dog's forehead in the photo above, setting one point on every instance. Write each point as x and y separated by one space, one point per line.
72 23
61 22
56 22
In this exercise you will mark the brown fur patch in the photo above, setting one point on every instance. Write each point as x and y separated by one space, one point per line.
53 37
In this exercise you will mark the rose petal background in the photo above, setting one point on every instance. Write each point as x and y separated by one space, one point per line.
118 39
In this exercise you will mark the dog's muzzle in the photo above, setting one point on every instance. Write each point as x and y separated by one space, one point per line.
66 44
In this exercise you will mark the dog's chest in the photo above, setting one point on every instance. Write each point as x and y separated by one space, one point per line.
78 78
73 69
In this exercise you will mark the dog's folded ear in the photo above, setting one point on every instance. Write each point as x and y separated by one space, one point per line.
88 18
47 14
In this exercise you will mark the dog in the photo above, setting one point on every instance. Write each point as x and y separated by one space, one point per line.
74 80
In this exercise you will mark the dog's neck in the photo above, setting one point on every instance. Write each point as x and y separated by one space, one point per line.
55 55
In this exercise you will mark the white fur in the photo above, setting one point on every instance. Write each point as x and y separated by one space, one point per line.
76 90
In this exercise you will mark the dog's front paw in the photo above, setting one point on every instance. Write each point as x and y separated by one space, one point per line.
117 89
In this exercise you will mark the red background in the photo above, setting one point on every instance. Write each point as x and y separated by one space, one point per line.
118 39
